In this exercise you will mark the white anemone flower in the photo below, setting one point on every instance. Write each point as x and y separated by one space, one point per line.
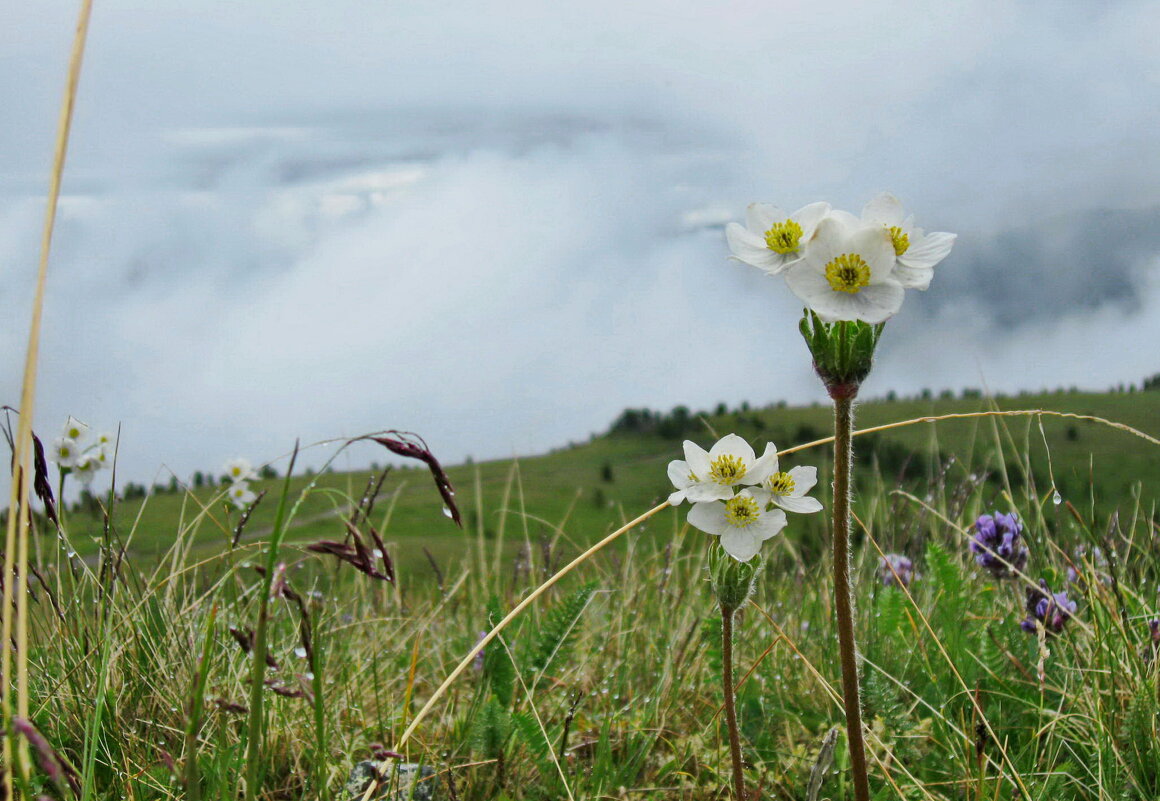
85 469
741 522
64 452
102 457
789 490
771 239
104 439
75 430
241 495
847 273
240 470
916 253
711 475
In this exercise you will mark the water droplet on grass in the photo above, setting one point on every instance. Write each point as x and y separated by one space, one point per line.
447 511
1057 499
300 652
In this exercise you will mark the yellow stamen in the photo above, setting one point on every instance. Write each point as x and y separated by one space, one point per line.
727 469
848 273
742 511
781 484
901 240
783 237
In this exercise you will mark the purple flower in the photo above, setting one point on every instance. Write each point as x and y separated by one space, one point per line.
895 563
477 663
1051 611
998 546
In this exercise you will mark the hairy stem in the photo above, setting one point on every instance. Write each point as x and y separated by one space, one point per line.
843 457
727 614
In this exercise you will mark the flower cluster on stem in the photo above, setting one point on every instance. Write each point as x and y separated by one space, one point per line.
240 473
80 453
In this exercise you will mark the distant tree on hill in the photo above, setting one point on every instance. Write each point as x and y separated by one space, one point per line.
1151 383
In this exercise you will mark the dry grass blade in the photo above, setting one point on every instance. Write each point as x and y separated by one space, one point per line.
16 540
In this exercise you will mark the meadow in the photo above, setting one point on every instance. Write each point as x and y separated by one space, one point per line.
145 683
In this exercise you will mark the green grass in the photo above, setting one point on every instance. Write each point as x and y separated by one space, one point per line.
608 687
565 492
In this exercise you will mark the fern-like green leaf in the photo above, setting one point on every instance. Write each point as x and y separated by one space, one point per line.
558 633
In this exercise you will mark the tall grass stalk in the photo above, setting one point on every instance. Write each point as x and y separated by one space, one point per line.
16 539
256 725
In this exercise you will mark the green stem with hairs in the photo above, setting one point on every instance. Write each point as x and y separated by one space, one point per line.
843 458
727 614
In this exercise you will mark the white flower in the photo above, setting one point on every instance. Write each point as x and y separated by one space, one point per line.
85 469
916 252
105 439
101 456
64 452
711 476
75 430
771 239
847 272
241 495
788 490
240 470
741 522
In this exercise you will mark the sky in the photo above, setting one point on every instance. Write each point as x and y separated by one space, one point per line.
498 225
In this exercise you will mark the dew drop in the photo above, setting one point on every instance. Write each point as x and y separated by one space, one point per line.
1057 499
300 652
309 676
378 554
447 511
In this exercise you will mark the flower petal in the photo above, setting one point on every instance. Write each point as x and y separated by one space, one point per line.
679 474
760 217
809 216
913 277
768 524
697 459
677 498
877 302
764 467
874 245
885 209
751 249
709 517
799 504
705 491
734 446
740 544
804 478
928 251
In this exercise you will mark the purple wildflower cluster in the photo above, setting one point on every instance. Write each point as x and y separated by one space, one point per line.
895 568
998 545
1047 610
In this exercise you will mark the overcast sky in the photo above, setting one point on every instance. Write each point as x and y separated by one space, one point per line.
499 224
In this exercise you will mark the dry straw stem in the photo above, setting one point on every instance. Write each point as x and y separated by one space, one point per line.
568 568
16 540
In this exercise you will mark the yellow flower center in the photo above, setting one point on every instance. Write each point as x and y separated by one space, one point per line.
742 511
783 237
727 469
73 433
848 273
781 484
65 451
900 239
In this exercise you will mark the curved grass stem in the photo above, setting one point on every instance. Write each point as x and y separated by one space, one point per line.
727 615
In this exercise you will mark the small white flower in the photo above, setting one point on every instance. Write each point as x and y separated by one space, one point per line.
711 476
788 490
741 522
75 430
241 495
85 469
916 253
64 452
104 439
771 239
102 457
847 272
240 470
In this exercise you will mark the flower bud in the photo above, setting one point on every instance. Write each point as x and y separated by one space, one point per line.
733 581
843 351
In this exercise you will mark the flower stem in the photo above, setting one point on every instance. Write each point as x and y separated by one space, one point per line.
843 457
727 614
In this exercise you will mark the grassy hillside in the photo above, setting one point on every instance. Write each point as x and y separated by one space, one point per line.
578 494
